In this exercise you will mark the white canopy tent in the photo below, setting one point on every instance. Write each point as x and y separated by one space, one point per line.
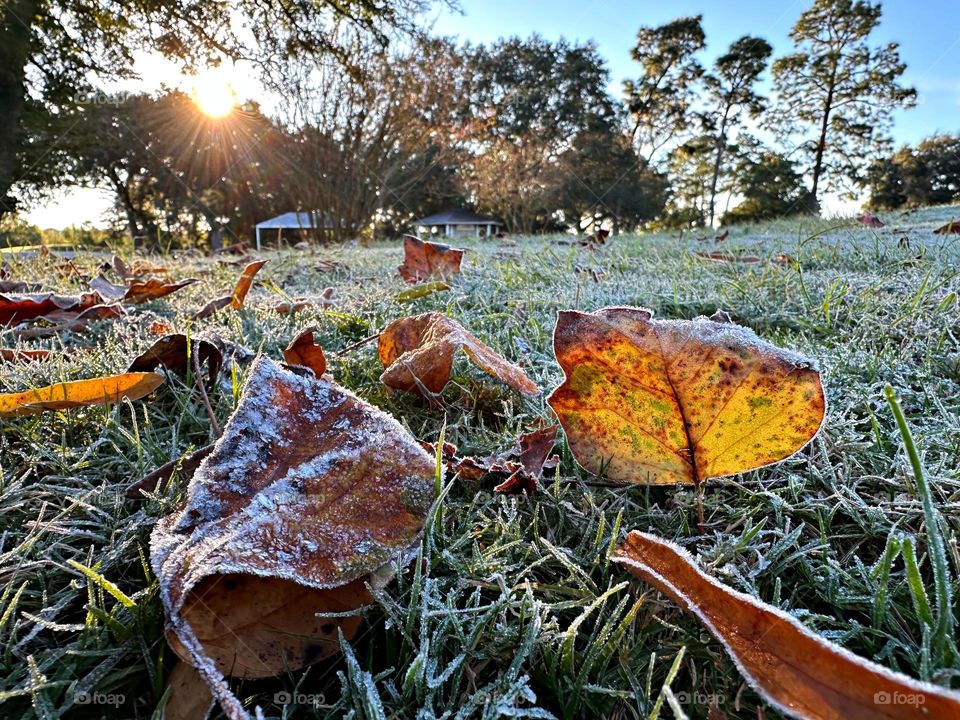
292 221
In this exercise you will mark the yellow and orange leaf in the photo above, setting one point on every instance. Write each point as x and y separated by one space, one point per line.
660 402
794 669
79 393
418 353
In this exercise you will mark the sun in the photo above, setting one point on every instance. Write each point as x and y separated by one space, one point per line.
213 93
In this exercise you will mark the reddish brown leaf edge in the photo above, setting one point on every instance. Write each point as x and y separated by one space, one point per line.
792 668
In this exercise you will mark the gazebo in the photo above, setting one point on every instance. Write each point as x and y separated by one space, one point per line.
293 221
459 222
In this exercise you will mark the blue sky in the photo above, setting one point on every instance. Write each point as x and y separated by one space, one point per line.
928 32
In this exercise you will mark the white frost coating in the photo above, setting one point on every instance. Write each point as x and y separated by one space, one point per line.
692 607
246 502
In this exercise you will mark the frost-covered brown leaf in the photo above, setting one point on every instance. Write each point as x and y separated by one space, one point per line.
424 260
308 494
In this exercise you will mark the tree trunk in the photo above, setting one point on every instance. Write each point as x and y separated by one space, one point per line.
721 146
822 142
18 16
123 195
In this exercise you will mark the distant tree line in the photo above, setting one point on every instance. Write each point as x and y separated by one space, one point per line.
377 124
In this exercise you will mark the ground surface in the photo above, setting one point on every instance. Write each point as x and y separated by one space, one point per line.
507 619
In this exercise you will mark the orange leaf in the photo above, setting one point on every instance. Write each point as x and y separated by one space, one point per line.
140 291
244 283
302 351
424 260
306 495
795 670
418 351
678 401
79 393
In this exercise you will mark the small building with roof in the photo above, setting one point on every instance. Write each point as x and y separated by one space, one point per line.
459 223
292 221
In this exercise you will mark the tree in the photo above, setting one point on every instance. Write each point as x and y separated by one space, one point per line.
690 166
527 100
769 185
659 100
51 51
730 91
925 175
604 180
839 88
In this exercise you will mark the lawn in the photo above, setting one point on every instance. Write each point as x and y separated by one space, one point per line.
518 611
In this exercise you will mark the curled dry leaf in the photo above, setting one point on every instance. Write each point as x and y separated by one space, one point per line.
137 290
79 393
598 238
951 228
418 352
679 401
423 260
185 466
175 353
244 283
516 470
237 297
306 301
304 352
16 308
794 669
870 220
308 492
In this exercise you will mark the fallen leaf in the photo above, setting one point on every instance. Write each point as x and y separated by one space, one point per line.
175 353
951 228
79 393
16 308
189 697
420 291
791 667
679 401
423 260
418 352
516 470
870 220
308 493
211 307
722 236
303 302
244 283
239 248
137 290
727 257
304 352
235 298
598 238
9 355
185 465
